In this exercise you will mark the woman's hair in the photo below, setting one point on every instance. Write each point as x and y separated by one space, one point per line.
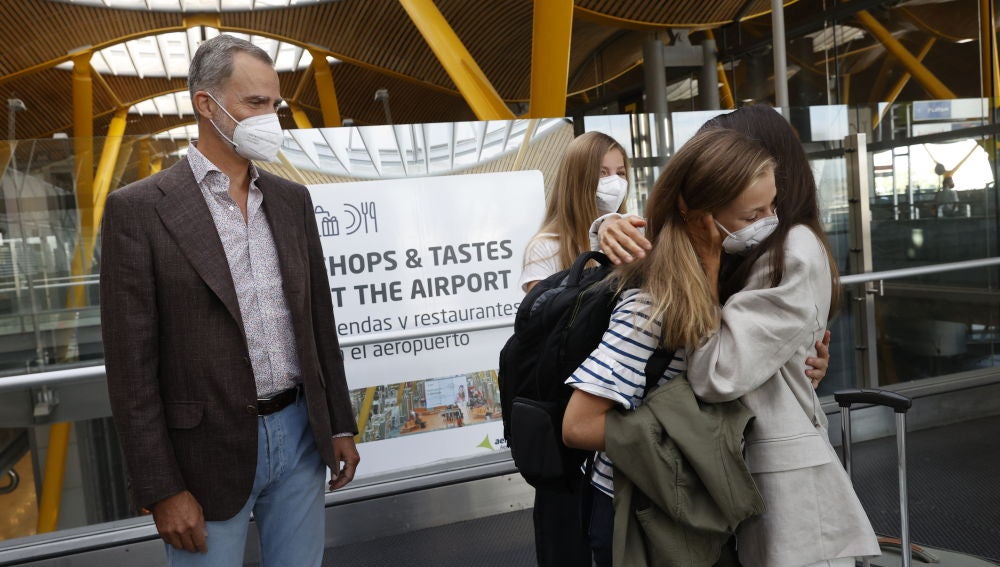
796 198
571 205
708 172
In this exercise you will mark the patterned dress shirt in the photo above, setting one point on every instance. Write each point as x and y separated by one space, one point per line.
253 262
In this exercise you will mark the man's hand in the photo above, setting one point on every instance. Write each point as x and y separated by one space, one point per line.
622 240
344 452
180 522
819 364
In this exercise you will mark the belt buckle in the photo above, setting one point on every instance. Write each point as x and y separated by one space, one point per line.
270 398
278 401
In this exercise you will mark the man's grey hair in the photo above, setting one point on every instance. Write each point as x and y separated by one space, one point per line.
212 63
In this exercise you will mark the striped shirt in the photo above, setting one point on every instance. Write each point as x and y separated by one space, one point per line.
253 263
616 368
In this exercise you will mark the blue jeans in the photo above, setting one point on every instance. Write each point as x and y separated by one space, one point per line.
286 500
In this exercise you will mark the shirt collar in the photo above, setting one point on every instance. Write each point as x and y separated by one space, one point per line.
201 166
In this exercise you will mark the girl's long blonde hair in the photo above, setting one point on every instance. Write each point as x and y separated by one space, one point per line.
571 205
708 172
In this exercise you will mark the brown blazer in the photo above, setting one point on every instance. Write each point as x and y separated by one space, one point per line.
179 376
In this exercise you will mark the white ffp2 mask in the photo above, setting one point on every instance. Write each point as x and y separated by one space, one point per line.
747 238
257 137
611 192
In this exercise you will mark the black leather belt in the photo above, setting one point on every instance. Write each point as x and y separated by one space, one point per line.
277 402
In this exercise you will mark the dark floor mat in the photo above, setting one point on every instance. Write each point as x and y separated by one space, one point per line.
953 481
954 486
505 540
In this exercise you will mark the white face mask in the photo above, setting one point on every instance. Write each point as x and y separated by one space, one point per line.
748 237
611 192
257 137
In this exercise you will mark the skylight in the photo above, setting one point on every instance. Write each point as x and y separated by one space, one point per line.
194 5
171 104
169 54
830 36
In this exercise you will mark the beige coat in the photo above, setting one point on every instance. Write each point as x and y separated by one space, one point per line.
759 356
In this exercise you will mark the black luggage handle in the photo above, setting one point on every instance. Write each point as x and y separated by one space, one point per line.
898 402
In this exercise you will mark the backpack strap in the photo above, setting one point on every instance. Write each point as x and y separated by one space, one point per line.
657 364
575 271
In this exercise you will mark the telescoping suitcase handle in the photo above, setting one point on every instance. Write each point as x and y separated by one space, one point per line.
900 404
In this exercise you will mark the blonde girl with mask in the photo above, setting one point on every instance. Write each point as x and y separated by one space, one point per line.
592 181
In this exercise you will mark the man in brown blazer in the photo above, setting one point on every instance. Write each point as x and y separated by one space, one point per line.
224 370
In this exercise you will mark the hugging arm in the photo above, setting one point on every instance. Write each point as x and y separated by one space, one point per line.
623 241
620 237
759 330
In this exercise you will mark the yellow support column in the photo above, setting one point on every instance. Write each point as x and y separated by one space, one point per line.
83 146
144 168
299 116
364 412
6 152
725 90
83 127
479 94
551 35
124 156
106 168
156 165
324 87
52 483
990 73
203 19
934 86
901 83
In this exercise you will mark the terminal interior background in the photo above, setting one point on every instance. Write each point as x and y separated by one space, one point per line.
888 99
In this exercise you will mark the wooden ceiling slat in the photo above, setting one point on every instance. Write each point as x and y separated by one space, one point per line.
381 48
674 12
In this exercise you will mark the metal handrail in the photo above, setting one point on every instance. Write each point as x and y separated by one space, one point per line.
51 378
59 282
919 271
54 377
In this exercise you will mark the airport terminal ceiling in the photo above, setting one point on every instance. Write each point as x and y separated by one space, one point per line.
138 51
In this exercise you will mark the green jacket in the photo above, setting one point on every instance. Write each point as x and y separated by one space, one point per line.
681 484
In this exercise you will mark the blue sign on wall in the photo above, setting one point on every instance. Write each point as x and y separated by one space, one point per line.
931 110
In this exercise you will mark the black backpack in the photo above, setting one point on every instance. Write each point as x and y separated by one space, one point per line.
558 324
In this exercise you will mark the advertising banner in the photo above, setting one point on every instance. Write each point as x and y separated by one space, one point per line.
412 264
